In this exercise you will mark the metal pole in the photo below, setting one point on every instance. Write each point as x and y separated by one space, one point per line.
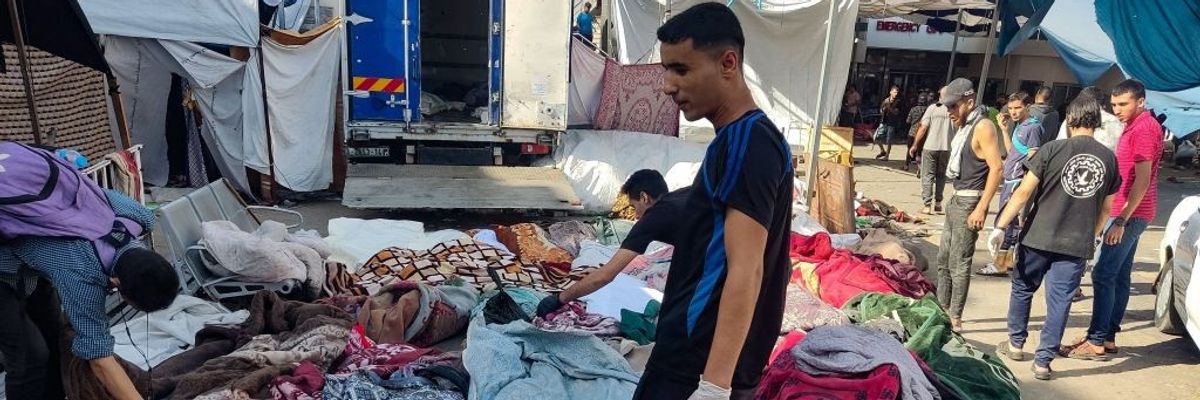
954 47
262 79
814 140
19 38
987 54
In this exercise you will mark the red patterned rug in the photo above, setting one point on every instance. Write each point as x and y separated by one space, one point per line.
632 100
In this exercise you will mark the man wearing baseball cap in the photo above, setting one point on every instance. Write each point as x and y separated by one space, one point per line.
974 169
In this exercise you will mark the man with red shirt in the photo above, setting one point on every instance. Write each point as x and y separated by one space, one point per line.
1138 153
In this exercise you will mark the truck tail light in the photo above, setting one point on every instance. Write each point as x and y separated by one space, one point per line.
535 149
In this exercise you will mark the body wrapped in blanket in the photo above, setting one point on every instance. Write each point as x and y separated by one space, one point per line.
228 359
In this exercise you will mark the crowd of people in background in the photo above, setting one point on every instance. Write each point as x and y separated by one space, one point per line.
1073 187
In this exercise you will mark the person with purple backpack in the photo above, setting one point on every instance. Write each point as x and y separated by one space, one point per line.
65 240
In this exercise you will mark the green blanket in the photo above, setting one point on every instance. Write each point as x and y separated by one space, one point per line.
970 373
611 232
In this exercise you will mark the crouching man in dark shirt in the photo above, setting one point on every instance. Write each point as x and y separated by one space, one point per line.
657 213
725 292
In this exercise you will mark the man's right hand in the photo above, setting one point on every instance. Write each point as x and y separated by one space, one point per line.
548 305
912 152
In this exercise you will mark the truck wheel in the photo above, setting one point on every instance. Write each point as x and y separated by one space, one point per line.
1166 317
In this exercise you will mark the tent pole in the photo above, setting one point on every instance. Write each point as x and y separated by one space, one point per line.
114 93
262 79
19 38
814 139
954 47
987 53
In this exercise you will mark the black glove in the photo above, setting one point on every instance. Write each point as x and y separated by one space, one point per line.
548 305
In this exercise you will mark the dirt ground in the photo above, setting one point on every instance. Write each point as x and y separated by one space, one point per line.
1152 365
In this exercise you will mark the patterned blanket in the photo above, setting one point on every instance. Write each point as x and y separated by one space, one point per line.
531 244
630 100
463 258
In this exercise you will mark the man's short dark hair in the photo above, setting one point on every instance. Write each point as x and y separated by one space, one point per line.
1021 97
1043 93
1084 112
646 181
1130 86
587 5
1100 95
712 27
147 281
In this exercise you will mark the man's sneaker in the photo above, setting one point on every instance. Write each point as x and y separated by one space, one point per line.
1006 349
1042 374
937 208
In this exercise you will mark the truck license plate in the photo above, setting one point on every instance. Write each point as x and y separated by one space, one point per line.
360 152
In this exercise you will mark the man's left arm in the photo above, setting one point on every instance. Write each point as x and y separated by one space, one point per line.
985 141
1137 192
127 207
745 243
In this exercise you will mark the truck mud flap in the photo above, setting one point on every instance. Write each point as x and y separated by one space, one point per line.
389 186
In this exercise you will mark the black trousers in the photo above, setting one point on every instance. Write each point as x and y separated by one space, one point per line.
654 386
29 340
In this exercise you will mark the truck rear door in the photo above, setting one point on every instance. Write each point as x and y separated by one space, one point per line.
384 60
537 43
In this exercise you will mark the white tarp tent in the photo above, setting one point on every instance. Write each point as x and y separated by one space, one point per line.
228 22
229 96
146 46
784 44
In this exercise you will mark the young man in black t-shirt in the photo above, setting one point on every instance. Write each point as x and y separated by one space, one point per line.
1072 183
657 212
725 293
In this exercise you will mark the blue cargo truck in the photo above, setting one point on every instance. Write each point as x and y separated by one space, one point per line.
448 101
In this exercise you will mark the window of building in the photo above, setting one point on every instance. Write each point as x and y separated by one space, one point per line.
1062 94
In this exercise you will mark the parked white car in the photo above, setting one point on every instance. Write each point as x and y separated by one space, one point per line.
1177 292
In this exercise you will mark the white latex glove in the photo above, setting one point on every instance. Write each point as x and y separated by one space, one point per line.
995 240
710 391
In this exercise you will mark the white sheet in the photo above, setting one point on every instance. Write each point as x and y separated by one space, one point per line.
354 241
598 162
593 254
269 254
144 88
636 22
170 331
301 85
587 75
784 43
228 22
624 292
